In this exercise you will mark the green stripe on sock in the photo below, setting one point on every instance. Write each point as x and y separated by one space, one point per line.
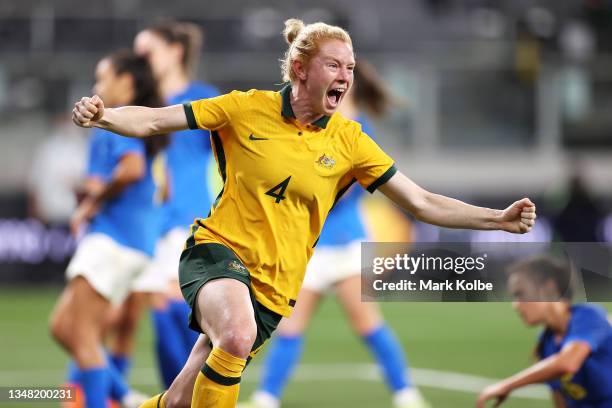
218 378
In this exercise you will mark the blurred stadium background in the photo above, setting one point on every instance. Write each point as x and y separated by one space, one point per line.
496 99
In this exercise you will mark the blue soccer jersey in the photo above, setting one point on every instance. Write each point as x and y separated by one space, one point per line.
591 386
130 218
187 159
344 223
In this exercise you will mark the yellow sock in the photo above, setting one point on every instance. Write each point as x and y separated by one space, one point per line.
155 402
218 383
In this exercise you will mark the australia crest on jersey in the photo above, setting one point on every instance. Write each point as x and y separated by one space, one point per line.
325 161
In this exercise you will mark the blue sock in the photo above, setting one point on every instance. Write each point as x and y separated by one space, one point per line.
96 384
73 374
280 361
117 386
168 346
121 362
389 356
180 314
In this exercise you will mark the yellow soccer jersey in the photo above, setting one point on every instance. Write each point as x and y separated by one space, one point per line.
280 180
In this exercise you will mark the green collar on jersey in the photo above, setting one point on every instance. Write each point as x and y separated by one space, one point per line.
287 110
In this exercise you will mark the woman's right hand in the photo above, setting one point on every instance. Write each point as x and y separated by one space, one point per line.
88 111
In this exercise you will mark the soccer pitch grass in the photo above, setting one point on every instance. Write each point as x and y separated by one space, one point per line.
452 347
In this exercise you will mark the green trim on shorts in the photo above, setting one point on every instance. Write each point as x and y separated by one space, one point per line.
205 262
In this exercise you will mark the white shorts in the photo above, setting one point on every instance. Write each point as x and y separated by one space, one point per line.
109 267
332 264
164 268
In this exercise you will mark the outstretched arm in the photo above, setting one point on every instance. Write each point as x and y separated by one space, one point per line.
567 361
134 121
447 212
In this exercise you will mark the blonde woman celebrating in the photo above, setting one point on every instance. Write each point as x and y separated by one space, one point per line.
285 158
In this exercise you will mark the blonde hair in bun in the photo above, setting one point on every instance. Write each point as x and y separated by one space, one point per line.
304 40
293 26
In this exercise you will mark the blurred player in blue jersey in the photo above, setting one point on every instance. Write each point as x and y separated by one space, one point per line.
173 50
336 265
575 348
120 204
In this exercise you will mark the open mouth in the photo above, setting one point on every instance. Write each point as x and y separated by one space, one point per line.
335 95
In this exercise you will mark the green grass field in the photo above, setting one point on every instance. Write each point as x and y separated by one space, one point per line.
482 340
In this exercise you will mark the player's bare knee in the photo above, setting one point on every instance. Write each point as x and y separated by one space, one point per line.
238 341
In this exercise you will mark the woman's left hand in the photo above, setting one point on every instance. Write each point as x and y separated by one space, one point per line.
498 391
519 217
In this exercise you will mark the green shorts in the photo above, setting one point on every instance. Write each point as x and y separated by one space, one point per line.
205 262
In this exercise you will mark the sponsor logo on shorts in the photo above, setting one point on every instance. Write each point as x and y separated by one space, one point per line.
237 267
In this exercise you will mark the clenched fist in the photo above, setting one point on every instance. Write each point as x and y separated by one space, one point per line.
88 111
519 217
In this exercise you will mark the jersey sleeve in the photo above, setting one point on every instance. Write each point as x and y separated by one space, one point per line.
97 152
121 146
212 113
106 149
372 167
211 92
94 167
588 326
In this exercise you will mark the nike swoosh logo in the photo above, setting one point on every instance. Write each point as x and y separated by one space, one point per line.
251 137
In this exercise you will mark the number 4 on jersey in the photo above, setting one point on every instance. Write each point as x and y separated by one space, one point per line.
281 187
